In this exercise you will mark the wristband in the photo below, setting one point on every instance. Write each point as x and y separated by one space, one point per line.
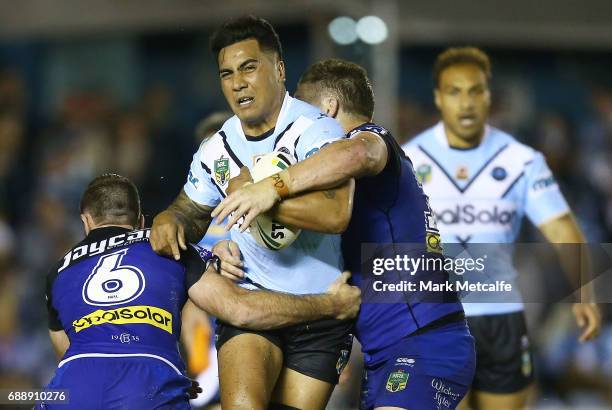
282 189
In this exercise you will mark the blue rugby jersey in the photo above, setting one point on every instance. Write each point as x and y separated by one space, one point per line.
391 208
113 295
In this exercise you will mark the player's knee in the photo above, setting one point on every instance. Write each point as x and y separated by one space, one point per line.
280 406
243 403
243 399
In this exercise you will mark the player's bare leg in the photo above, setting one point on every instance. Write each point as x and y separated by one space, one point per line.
303 392
249 366
481 400
465 403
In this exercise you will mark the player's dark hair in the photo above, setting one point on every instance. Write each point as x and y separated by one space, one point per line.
461 55
112 199
347 81
245 28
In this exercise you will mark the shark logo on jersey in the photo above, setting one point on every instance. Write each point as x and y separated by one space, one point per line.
222 170
423 173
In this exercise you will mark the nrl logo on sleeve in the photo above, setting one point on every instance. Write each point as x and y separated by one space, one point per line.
222 170
397 381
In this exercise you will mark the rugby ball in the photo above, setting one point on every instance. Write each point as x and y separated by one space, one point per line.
266 231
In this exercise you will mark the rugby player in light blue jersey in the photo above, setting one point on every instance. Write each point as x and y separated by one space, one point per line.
418 351
115 307
303 362
481 182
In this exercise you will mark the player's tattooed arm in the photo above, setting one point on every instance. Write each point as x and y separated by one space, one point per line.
184 221
262 310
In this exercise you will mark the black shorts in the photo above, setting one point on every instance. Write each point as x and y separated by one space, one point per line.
504 360
318 349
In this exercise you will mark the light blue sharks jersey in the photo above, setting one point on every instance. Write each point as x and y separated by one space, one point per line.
480 195
314 260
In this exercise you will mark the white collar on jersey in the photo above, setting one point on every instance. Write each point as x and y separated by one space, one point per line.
440 134
281 114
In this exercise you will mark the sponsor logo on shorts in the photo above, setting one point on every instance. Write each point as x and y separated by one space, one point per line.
445 397
397 381
150 315
405 361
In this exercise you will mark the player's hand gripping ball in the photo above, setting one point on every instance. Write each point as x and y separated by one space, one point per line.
266 231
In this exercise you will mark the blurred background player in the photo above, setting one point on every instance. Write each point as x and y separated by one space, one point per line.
418 351
114 307
296 367
481 182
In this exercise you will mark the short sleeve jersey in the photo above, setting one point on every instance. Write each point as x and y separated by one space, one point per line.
112 294
480 195
314 260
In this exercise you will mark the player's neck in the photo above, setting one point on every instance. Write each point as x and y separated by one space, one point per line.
350 122
94 227
455 141
262 127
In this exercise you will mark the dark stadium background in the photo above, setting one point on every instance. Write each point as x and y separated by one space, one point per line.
94 86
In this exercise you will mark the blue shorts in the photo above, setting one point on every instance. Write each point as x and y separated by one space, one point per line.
120 383
429 370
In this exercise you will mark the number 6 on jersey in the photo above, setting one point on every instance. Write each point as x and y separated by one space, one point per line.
111 283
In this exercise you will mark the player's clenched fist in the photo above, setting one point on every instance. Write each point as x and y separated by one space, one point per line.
346 298
168 235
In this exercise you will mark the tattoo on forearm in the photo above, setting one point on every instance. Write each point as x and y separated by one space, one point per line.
330 194
195 217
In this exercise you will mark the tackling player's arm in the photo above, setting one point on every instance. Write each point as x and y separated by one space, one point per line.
58 336
327 211
363 155
184 221
561 231
262 309
337 163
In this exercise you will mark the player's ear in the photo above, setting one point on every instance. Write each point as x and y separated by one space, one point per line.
141 222
88 222
437 98
280 67
332 106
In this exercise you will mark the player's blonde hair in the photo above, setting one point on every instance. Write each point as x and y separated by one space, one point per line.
348 81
